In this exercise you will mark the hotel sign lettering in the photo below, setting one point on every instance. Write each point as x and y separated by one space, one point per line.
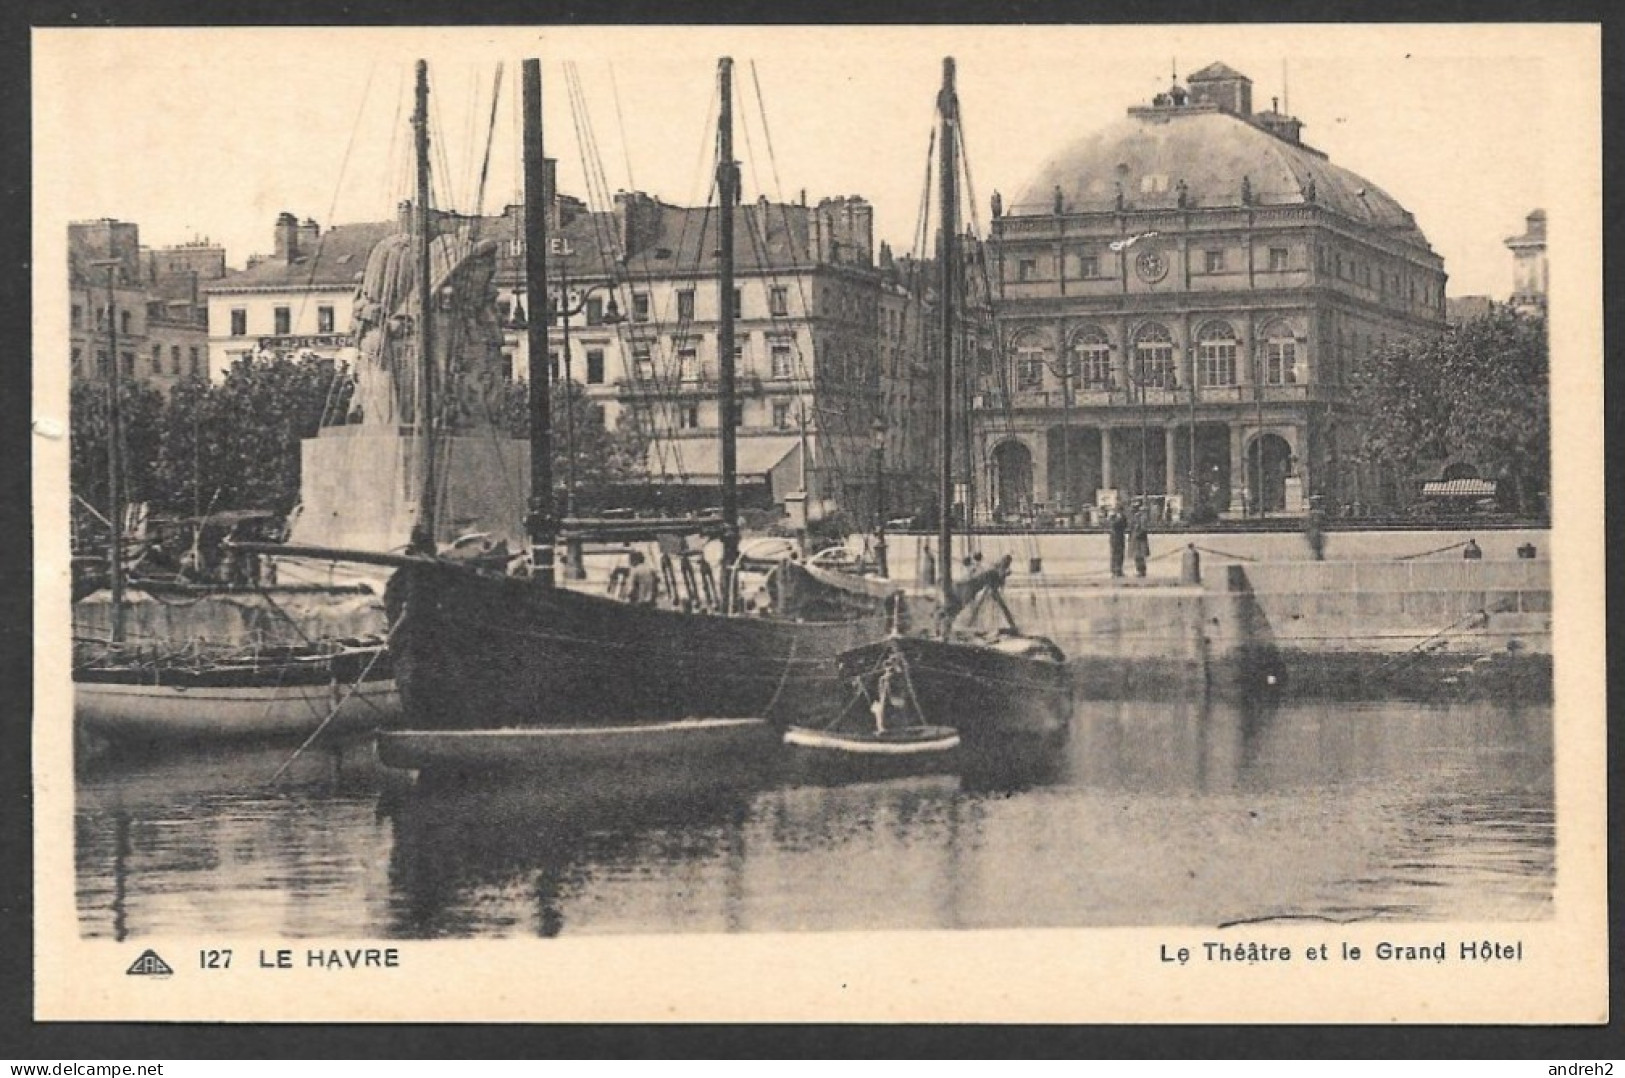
316 340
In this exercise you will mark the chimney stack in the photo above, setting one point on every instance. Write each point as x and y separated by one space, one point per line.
286 237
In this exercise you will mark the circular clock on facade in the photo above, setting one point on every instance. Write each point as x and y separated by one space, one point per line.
1152 266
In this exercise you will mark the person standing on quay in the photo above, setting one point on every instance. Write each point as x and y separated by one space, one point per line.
643 581
1140 537
1117 530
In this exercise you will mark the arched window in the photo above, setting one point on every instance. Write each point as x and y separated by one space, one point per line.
1216 354
1154 357
1281 361
1030 358
1092 358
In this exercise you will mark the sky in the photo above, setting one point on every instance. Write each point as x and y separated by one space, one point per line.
212 132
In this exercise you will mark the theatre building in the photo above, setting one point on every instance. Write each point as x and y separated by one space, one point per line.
1185 298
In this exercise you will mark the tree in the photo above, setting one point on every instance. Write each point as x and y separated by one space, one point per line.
1479 391
1496 383
140 409
248 429
603 457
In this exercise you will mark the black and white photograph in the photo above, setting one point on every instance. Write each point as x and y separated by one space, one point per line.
1051 523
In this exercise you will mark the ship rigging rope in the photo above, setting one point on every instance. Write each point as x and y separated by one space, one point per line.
767 713
976 277
485 161
338 704
758 232
661 416
1430 553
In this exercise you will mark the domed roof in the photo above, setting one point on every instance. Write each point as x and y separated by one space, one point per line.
1149 152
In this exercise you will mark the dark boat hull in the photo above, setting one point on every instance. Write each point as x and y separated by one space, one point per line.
475 651
995 698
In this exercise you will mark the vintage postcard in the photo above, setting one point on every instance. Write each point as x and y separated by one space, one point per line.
996 524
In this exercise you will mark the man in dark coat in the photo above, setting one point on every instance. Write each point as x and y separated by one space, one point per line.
1140 538
1117 529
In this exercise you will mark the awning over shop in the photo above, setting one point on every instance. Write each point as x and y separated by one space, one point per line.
1459 488
775 460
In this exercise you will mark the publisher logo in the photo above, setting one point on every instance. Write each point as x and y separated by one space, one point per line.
149 965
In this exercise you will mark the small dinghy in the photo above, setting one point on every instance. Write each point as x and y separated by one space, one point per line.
880 729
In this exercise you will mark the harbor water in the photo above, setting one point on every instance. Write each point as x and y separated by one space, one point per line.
1188 812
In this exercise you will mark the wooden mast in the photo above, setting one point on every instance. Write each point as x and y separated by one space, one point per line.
115 463
423 535
728 196
540 522
947 258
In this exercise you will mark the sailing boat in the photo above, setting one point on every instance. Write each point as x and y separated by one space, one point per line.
1006 691
500 670
202 677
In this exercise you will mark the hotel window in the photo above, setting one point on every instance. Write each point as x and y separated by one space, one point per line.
324 318
196 361
1029 362
282 318
78 357
1154 357
688 362
76 316
1216 354
595 366
553 366
1027 269
157 359
124 321
595 311
688 417
739 303
779 301
781 415
783 360
640 306
239 322
685 306
1088 266
1213 261
101 362
643 364
1281 357
174 359
128 364
1092 358
1278 259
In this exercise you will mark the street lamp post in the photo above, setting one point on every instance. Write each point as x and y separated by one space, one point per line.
878 444
563 311
1258 432
1193 505
115 548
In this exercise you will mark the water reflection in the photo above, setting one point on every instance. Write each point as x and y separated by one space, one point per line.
1166 812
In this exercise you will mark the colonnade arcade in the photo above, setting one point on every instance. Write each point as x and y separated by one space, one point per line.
1068 469
1203 413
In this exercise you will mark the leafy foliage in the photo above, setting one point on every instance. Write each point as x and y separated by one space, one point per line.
232 445
603 456
1480 391
140 417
